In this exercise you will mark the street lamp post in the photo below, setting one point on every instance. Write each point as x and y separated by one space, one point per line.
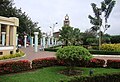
53 27
52 31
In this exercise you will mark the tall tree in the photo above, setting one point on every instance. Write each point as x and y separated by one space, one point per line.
76 40
70 35
88 34
97 20
66 34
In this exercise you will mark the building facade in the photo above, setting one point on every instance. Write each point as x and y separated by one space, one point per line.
8 28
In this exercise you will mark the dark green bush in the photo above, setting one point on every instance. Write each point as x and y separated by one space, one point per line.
73 54
114 77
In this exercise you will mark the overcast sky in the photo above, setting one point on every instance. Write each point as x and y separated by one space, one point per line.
48 12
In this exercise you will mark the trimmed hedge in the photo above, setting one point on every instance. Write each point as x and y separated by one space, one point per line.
96 62
44 62
14 66
113 63
114 77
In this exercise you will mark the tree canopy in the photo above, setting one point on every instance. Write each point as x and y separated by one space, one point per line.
70 35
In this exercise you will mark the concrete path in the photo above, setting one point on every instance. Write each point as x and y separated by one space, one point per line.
31 54
106 57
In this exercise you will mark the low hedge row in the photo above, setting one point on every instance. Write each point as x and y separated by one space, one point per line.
22 65
113 63
96 62
102 52
115 77
44 62
14 66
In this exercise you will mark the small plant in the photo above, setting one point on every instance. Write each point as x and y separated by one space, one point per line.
71 55
17 54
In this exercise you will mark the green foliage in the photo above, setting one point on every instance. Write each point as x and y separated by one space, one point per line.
72 54
51 74
88 34
106 38
111 47
92 41
18 54
65 34
70 35
115 39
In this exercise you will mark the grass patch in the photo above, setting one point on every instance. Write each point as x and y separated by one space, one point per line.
50 74
17 54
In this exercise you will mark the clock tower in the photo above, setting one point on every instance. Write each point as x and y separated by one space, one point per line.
66 21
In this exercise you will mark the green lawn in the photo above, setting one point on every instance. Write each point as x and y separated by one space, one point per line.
49 74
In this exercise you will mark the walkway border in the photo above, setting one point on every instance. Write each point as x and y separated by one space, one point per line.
106 55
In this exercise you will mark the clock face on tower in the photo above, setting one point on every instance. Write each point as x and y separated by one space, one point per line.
66 17
66 21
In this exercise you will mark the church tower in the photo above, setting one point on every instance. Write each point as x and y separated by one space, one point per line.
66 21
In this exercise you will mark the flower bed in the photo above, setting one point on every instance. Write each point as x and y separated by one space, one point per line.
14 66
113 63
44 62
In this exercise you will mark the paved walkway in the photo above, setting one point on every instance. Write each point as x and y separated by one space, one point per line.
31 54
106 57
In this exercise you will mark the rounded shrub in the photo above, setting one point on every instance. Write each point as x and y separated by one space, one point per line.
71 55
